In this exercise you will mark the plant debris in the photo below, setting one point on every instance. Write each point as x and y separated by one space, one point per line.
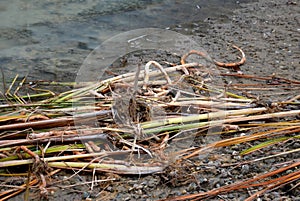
145 122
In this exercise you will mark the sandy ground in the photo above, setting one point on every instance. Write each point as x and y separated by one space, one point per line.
269 33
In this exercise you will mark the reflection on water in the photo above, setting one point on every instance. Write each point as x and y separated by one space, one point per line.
50 39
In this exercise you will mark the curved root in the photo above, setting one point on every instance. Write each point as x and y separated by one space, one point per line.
234 65
157 65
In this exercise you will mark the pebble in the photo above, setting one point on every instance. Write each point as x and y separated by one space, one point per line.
86 195
283 67
224 173
296 145
109 188
245 169
231 196
192 186
202 180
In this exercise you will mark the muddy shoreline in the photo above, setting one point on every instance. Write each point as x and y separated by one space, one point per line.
269 34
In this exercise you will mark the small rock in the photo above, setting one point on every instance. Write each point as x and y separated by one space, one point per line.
86 195
283 67
245 169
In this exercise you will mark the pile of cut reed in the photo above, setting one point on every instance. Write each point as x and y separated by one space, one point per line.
142 117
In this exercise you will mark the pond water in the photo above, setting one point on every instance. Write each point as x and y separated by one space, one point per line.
49 39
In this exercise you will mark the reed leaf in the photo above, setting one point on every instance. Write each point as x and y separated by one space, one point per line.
264 144
116 168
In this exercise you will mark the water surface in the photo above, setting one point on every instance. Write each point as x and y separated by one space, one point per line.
49 39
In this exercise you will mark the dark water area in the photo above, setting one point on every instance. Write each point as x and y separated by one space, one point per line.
49 40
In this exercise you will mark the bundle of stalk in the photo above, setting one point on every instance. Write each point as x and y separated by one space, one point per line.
149 118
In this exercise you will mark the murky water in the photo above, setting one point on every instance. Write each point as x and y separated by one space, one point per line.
50 39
